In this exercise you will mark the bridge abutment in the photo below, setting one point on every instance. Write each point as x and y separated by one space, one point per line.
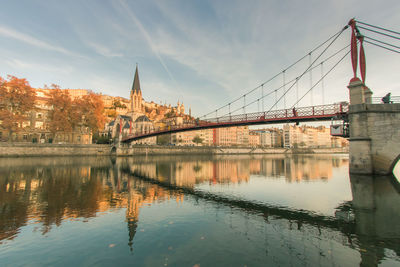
374 132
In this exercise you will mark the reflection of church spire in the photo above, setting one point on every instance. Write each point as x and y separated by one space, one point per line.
132 225
132 211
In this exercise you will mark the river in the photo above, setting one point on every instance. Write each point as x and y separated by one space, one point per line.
271 210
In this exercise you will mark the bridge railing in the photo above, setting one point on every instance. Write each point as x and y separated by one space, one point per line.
314 111
294 113
378 100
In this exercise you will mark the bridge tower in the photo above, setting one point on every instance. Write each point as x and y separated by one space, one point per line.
374 128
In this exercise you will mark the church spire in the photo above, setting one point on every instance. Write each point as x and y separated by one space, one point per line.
136 83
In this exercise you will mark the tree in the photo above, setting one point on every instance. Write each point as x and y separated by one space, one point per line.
111 113
163 139
170 114
92 111
197 140
64 115
17 99
118 104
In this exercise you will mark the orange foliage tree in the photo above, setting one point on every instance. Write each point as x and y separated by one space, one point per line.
63 116
17 99
91 108
66 114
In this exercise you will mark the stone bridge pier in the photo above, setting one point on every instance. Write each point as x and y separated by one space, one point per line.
374 132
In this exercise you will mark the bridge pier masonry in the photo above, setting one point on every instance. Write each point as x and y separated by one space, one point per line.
374 132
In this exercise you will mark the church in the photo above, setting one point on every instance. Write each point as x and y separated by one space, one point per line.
135 121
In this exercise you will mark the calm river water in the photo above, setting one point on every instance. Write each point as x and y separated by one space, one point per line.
196 211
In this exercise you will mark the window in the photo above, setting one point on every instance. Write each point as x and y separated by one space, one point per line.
39 115
39 124
25 137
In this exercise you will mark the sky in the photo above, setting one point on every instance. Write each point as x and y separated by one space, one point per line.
202 53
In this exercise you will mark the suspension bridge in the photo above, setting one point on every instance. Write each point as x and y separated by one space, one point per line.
281 98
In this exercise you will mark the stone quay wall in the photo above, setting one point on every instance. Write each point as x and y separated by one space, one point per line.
40 150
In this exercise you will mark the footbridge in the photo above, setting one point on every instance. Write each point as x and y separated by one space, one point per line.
372 128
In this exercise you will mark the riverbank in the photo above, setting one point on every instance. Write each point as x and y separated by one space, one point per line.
36 150
162 150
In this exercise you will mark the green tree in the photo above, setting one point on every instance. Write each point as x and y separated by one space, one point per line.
197 140
163 139
118 104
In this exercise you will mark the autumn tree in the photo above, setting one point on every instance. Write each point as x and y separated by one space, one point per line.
17 99
92 111
67 114
64 115
111 113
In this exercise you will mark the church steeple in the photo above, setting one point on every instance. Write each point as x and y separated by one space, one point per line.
136 83
136 94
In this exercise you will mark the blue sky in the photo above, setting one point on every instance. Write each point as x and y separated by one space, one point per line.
203 53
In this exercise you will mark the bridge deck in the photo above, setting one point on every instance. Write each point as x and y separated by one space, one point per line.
304 114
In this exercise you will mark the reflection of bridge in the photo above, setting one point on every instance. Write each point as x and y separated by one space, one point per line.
373 128
296 115
368 220
299 216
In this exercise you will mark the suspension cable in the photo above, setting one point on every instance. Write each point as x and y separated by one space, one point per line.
262 96
377 27
241 108
336 35
295 80
309 67
322 83
321 78
297 89
311 83
382 42
382 33
283 82
368 42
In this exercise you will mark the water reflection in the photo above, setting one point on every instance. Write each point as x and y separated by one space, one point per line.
188 172
48 192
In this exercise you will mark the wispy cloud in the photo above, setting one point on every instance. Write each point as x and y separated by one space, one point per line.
212 52
103 50
25 65
149 40
28 39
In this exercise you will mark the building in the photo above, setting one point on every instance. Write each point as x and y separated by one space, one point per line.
254 139
269 137
311 137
